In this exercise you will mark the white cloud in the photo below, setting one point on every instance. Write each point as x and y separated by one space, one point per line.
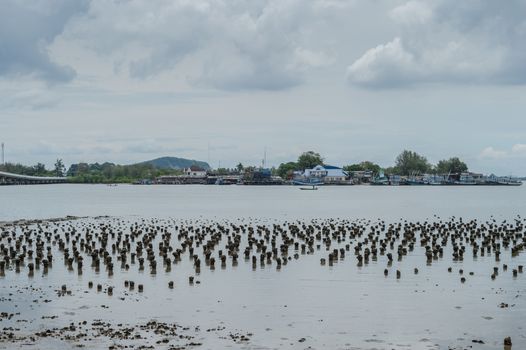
448 41
491 153
412 12
519 149
387 62
228 45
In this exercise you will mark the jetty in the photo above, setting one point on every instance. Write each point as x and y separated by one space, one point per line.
17 179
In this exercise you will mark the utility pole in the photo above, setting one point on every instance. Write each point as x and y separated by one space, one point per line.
208 154
264 157
3 154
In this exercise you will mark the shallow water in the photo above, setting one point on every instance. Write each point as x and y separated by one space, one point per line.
192 201
338 307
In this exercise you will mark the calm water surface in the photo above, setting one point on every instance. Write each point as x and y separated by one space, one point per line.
338 307
408 202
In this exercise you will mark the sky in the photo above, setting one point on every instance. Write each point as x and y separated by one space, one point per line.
224 80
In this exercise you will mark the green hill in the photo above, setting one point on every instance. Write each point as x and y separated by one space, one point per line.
176 163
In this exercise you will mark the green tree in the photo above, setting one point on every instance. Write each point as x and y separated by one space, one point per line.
59 168
285 170
452 165
391 171
40 169
363 166
83 168
17 169
409 162
309 160
239 167
353 167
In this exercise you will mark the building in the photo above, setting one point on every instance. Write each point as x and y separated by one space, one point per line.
193 175
194 171
328 174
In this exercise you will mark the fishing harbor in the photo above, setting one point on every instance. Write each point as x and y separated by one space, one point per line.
331 175
310 169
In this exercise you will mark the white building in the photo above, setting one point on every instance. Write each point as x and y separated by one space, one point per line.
327 173
194 171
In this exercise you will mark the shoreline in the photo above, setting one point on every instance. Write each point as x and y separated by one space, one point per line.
115 184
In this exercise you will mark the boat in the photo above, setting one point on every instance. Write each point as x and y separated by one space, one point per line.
415 182
508 181
437 180
380 180
466 180
313 188
436 183
309 182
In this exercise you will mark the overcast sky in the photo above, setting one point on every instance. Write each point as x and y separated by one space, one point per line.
125 81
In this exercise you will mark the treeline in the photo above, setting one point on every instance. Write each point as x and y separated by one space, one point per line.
409 163
406 163
92 173
114 173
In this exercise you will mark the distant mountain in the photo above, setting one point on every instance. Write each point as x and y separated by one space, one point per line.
175 163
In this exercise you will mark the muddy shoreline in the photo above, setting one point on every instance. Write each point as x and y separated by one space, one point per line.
108 282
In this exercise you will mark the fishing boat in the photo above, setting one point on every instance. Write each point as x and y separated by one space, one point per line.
413 181
465 180
508 181
308 182
380 180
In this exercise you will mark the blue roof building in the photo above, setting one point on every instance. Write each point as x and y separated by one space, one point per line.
327 173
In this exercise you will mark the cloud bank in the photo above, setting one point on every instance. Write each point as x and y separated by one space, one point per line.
448 41
26 30
231 45
517 151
